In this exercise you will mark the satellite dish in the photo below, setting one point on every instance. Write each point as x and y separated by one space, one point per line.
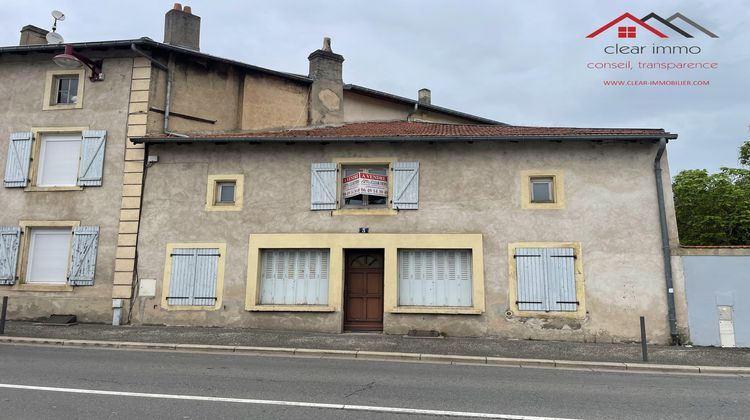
54 38
58 15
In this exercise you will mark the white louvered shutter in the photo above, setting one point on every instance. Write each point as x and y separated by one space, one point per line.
192 281
435 277
9 240
91 167
19 157
83 256
294 277
323 186
546 279
406 185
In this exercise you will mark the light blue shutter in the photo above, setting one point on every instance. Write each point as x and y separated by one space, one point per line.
546 279
91 167
561 279
17 163
434 277
532 289
83 256
193 277
323 186
9 240
294 277
405 185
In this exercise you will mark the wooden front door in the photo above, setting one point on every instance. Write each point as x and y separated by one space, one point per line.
363 291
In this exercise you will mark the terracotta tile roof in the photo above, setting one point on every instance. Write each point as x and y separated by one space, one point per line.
426 130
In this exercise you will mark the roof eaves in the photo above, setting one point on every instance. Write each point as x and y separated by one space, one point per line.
398 139
153 44
400 99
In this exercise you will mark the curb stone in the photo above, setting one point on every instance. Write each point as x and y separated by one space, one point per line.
380 355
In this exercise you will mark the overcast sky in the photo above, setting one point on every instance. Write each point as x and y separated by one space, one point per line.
521 62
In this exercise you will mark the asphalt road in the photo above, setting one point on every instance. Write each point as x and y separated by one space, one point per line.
201 385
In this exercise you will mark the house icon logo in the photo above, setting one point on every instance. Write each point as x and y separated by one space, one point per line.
627 26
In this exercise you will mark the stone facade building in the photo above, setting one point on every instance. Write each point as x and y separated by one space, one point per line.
232 195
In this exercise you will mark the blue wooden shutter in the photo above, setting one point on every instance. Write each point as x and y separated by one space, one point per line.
83 256
91 167
405 185
17 163
561 280
546 279
532 288
435 277
323 186
9 240
193 278
294 277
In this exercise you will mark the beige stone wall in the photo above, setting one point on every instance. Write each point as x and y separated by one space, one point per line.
210 92
104 108
359 107
271 102
610 210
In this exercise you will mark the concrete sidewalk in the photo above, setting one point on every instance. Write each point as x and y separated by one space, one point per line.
299 342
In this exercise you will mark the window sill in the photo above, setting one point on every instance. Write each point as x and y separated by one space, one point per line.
290 308
25 287
61 107
66 188
224 208
190 307
365 212
436 310
543 206
548 315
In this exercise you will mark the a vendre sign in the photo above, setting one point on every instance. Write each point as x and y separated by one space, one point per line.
364 183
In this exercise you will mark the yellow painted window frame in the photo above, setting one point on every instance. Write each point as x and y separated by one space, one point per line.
354 161
23 257
580 313
558 189
239 188
219 276
36 146
390 243
50 90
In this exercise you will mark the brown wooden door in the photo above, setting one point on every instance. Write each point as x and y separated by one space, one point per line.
363 291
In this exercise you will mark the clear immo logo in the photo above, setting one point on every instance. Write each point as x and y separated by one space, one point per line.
627 30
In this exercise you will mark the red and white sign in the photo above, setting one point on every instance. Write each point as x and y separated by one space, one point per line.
364 183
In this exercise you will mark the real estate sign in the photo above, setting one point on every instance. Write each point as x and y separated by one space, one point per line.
364 183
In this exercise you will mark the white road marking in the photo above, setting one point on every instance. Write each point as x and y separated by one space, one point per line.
392 410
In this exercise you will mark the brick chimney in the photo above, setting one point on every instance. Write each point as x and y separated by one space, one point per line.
327 90
33 35
424 96
182 28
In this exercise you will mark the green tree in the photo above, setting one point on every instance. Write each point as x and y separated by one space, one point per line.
714 209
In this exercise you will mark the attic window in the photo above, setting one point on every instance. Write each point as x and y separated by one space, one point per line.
626 32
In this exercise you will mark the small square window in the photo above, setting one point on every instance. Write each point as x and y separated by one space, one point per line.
542 190
225 192
63 89
66 90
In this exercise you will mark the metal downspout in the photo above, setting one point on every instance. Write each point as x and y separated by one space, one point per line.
168 95
666 251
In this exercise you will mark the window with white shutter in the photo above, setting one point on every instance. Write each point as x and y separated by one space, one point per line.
294 276
546 279
194 277
435 277
48 253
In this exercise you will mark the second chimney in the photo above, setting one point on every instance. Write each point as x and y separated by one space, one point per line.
182 28
33 35
424 97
